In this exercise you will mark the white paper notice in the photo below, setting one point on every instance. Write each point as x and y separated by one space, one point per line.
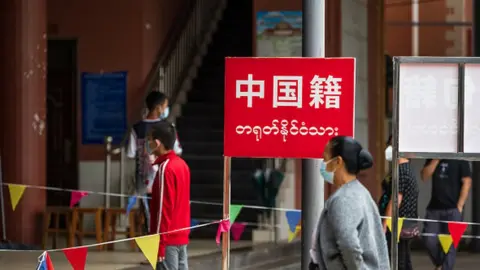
428 108
471 137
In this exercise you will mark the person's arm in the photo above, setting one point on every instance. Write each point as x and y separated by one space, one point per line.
169 193
429 169
344 220
402 186
466 176
152 172
132 145
388 210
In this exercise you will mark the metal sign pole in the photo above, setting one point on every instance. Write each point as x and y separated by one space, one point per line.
2 204
227 163
395 173
312 184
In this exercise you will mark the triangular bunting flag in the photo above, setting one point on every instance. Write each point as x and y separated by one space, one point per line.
16 193
237 230
400 225
44 262
77 257
293 219
194 222
76 197
457 230
234 211
48 262
445 241
223 226
293 235
149 246
131 203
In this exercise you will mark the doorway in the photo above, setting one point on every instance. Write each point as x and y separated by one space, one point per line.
62 158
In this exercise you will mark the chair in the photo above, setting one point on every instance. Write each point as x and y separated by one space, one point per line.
56 213
77 230
110 226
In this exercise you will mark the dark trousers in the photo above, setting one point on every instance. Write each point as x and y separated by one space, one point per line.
438 257
404 257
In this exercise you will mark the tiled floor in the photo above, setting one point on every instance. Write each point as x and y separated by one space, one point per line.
124 259
121 258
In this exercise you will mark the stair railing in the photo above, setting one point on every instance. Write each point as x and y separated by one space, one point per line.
176 63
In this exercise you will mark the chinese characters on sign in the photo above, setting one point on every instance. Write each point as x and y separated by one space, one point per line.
287 107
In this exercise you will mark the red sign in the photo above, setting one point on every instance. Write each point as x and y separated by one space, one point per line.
287 107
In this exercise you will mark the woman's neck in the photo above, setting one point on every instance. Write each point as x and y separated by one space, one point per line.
344 180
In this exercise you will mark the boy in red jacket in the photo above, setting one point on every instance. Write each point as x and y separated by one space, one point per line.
170 203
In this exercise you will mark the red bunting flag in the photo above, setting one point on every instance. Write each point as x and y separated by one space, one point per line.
457 230
77 257
237 230
76 197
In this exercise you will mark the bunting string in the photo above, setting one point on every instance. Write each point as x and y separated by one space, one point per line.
119 240
258 207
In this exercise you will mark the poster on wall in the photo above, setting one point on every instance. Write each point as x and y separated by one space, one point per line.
279 33
104 107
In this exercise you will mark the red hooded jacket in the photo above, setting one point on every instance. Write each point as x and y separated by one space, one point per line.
170 203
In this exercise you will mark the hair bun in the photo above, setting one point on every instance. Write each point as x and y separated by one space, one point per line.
365 159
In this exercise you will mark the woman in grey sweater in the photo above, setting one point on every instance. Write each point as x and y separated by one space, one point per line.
349 234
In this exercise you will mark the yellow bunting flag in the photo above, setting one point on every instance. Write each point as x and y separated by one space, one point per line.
400 225
445 241
293 235
16 193
149 246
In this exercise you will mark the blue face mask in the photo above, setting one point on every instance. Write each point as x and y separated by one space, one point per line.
148 149
327 176
165 113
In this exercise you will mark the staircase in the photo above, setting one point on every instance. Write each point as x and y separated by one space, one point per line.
200 126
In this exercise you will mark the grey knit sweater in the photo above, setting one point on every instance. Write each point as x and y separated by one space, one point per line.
350 234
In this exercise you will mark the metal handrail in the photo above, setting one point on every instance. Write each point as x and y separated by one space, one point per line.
168 74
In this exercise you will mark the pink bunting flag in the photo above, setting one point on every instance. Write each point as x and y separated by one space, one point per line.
223 226
76 197
237 230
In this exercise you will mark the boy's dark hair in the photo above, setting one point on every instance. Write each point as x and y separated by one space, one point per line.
154 99
164 131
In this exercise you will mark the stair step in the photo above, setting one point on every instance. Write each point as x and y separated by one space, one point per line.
216 163
202 148
199 136
210 232
212 192
200 122
205 108
215 212
215 177
213 92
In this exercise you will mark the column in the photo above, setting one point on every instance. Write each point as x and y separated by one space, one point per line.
376 96
23 112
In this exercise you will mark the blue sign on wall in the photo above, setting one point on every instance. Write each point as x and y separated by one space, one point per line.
104 107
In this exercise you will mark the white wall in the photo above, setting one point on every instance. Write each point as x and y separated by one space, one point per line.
354 44
91 178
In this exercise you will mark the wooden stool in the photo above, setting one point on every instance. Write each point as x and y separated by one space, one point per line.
56 213
77 225
110 226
